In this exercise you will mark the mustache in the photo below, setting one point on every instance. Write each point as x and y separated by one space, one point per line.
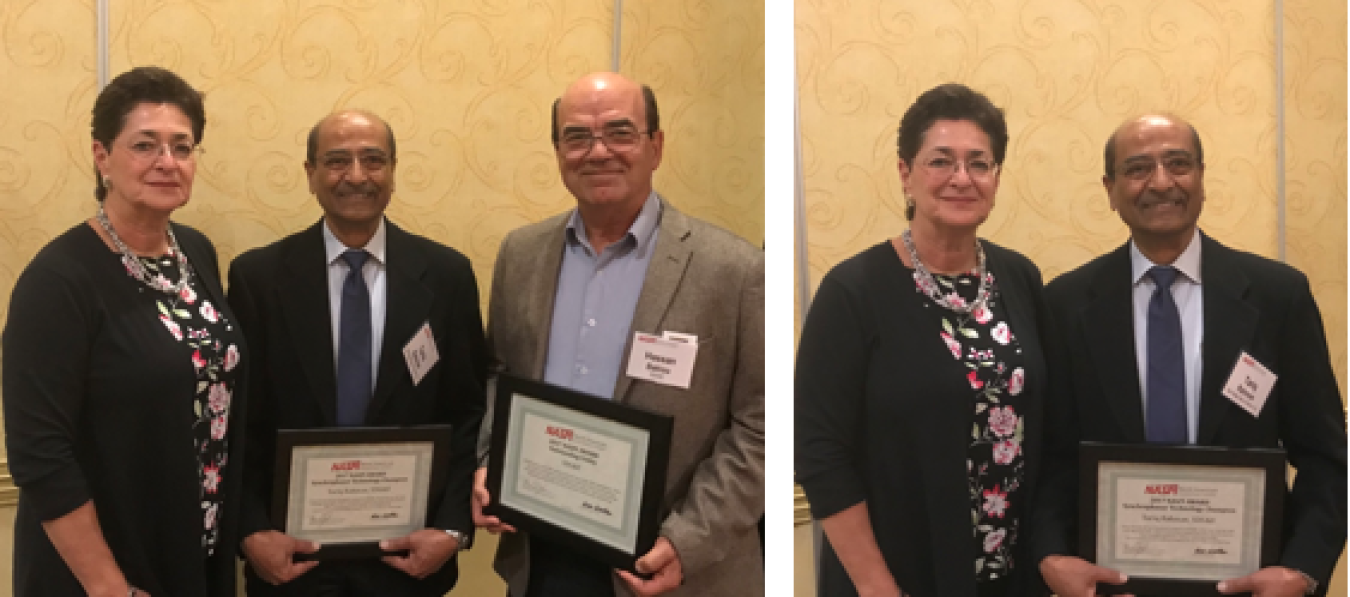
348 188
1173 195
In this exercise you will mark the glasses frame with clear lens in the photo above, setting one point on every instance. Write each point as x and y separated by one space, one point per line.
579 144
1175 165
972 167
342 162
149 151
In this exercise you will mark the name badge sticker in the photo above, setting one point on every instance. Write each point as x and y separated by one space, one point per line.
679 337
1249 385
662 360
420 353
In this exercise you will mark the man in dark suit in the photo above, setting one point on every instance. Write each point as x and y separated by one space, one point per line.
327 313
1120 309
570 293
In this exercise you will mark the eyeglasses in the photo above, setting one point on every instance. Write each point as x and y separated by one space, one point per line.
151 150
976 168
617 139
374 161
1139 169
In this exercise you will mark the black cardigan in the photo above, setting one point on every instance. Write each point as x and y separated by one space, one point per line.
98 405
882 416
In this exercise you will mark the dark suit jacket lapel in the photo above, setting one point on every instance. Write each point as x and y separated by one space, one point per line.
665 271
1109 328
1229 325
407 305
304 303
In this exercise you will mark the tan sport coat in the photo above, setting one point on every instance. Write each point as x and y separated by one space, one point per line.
702 280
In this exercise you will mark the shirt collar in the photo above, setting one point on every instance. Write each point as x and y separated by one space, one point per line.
333 248
1188 263
640 233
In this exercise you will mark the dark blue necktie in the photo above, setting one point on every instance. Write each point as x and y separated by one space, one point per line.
1166 363
353 367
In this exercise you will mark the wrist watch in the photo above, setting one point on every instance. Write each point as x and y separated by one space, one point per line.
1312 584
461 539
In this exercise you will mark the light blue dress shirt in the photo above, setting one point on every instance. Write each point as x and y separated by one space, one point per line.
373 272
594 304
1187 292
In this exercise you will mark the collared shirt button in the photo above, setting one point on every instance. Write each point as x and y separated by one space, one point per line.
590 322
584 370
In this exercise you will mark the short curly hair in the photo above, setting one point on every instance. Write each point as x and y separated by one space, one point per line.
951 101
141 85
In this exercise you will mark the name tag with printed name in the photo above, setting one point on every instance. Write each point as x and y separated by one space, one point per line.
661 360
420 353
1249 385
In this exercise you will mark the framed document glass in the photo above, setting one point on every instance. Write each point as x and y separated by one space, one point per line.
577 469
349 488
1178 519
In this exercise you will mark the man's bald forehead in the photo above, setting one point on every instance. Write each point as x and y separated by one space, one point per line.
649 113
1109 155
350 116
602 82
312 142
1152 120
596 82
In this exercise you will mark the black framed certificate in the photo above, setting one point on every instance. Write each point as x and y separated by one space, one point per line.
1178 519
348 488
577 469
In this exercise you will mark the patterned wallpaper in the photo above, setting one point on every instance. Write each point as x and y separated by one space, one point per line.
706 59
46 181
466 86
1067 72
1315 166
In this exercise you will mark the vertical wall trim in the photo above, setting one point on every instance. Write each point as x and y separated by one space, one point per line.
618 36
799 211
103 43
1280 203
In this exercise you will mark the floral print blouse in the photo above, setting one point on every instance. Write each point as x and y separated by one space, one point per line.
992 357
193 321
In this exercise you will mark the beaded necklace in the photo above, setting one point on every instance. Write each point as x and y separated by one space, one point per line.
925 280
137 269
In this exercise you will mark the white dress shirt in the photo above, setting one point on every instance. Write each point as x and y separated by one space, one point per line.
1186 291
374 273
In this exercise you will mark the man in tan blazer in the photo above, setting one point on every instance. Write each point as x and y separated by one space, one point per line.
568 295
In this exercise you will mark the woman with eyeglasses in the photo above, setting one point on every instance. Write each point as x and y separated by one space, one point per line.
122 374
919 380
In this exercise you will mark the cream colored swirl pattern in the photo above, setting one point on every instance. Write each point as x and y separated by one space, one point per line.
1067 73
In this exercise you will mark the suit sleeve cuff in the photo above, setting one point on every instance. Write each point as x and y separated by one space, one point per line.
689 543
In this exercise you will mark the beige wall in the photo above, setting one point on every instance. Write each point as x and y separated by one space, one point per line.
1067 73
467 87
707 61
